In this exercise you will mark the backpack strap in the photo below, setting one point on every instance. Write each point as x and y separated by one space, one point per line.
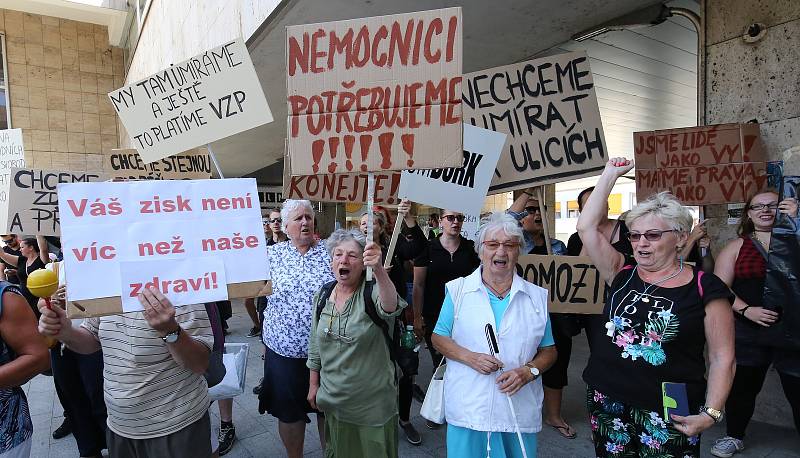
324 294
699 284
3 285
369 305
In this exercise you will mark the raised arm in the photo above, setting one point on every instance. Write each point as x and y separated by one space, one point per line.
386 290
44 249
519 204
9 258
607 259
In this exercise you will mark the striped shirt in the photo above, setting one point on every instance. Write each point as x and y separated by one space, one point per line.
147 393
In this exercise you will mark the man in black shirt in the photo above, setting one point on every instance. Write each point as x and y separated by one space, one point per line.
11 246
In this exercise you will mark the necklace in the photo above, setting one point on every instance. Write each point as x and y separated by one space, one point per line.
764 244
501 294
610 325
655 285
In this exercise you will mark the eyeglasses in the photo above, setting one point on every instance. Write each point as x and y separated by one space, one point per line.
759 207
332 335
452 218
532 210
651 235
494 244
274 220
8 240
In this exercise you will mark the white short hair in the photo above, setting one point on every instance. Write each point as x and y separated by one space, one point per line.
495 221
289 206
665 206
341 236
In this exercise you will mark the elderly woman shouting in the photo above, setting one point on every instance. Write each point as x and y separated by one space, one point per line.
352 373
299 267
658 319
479 377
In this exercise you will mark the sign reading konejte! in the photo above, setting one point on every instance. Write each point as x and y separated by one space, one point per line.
208 97
375 94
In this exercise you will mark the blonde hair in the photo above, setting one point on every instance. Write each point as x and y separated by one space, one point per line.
665 206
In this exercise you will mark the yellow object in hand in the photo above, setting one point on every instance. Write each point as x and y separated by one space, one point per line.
42 283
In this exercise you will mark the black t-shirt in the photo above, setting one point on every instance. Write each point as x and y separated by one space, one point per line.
11 278
657 337
23 270
441 269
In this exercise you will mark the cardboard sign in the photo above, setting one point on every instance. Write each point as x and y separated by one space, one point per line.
107 224
704 184
33 199
375 94
211 96
548 107
469 230
695 146
12 155
343 187
128 165
464 188
271 197
573 282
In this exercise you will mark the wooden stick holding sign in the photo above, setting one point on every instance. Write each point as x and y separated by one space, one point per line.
543 212
370 215
398 227
214 160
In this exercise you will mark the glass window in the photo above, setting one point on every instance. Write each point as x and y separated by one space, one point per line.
5 113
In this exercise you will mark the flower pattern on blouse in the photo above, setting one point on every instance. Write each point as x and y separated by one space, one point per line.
644 340
295 279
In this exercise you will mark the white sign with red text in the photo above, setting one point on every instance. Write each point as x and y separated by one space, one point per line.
104 225
185 281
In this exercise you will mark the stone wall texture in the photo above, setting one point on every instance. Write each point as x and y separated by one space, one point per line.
59 72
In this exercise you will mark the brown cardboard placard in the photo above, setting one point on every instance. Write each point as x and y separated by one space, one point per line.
33 199
549 110
113 305
573 282
128 164
694 146
704 184
343 187
375 94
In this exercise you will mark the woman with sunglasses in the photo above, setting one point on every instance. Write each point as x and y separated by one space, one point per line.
658 319
352 374
742 264
529 212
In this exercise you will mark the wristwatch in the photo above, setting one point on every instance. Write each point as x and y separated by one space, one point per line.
534 370
715 414
172 337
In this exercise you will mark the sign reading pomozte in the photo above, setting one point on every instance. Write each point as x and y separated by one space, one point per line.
127 164
573 282
188 238
375 94
549 110
208 97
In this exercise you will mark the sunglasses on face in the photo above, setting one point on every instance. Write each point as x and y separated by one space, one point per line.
759 207
451 218
274 220
532 210
651 235
494 244
8 240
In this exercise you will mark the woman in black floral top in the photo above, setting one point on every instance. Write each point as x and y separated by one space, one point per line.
657 322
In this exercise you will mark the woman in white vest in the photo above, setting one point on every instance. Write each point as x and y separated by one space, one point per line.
493 399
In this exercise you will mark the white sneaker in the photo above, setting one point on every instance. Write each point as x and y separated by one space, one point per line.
727 447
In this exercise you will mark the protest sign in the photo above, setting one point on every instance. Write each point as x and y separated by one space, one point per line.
127 164
12 155
548 107
211 96
375 94
469 230
573 282
704 184
105 225
461 189
271 197
341 187
33 199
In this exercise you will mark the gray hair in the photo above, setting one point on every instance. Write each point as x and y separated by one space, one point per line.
289 206
341 236
495 221
665 206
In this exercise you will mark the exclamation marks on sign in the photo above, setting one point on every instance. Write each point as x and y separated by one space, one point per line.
214 284
334 146
385 144
408 147
395 177
316 153
366 141
349 141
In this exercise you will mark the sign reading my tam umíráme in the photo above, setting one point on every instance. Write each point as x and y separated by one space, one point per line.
549 110
211 96
375 94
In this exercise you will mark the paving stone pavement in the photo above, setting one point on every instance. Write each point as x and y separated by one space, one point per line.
771 433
